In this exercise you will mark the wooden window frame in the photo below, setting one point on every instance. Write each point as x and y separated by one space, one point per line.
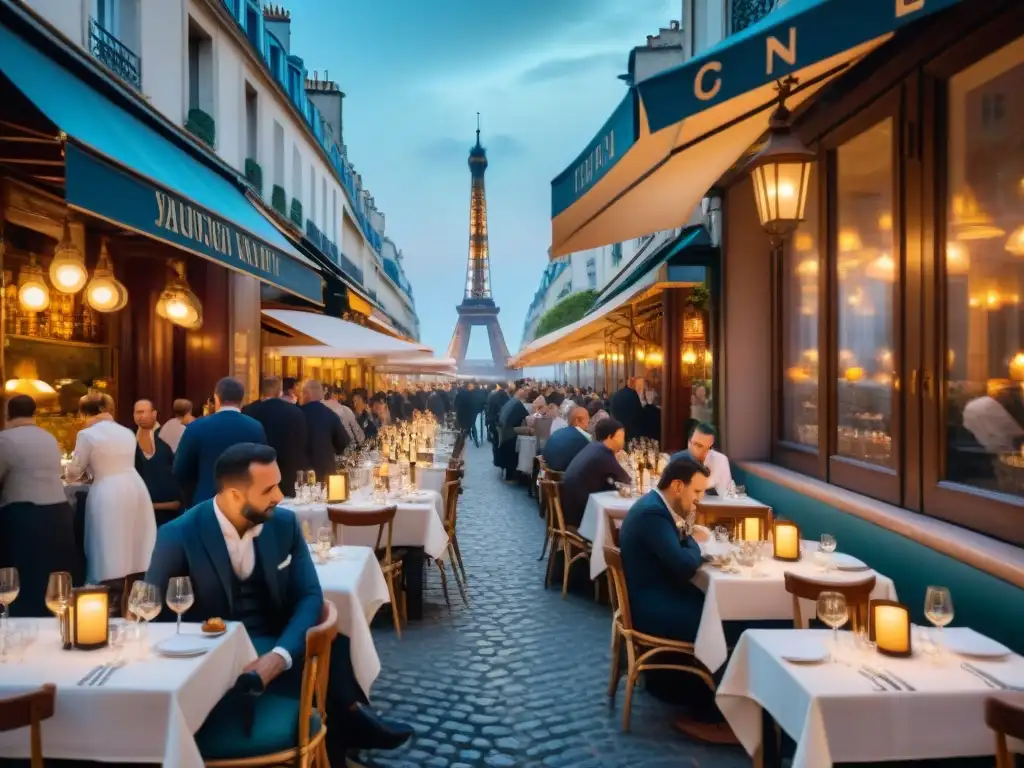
993 513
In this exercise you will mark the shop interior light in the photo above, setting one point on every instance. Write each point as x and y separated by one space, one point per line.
958 258
105 293
780 173
1015 244
177 303
33 293
67 270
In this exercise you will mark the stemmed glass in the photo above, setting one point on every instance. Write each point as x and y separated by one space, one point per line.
145 602
179 597
833 611
300 484
324 542
828 546
9 588
938 609
58 594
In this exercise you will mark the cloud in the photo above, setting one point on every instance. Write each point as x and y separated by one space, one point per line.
446 150
556 69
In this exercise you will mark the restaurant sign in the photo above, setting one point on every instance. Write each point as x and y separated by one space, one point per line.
111 193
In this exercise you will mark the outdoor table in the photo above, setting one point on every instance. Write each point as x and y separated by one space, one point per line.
352 579
594 525
432 477
836 715
146 712
526 448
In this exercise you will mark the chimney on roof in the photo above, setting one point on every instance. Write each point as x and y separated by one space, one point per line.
328 97
277 20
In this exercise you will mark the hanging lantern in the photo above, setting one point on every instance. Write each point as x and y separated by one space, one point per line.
33 293
693 324
780 173
177 303
1015 244
67 270
958 258
105 293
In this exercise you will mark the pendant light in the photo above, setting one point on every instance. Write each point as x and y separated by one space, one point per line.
33 293
177 303
67 270
105 293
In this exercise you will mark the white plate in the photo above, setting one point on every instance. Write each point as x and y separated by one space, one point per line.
805 652
182 646
848 562
974 645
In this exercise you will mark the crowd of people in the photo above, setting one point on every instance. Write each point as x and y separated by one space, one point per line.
197 497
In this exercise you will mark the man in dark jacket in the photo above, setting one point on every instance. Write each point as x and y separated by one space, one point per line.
659 560
287 433
326 435
495 402
364 418
594 470
564 444
465 410
436 405
513 415
627 408
206 439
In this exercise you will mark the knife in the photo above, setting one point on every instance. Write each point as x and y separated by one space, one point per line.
98 670
901 681
881 676
874 683
981 676
990 677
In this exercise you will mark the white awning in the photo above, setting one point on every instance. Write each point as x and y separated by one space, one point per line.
324 336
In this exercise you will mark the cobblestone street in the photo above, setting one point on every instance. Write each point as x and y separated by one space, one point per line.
517 678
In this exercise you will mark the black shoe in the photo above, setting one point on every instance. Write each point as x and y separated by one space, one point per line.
361 728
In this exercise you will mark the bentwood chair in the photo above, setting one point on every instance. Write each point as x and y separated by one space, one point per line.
641 649
452 491
28 710
858 596
383 518
546 510
734 518
1005 718
564 538
310 748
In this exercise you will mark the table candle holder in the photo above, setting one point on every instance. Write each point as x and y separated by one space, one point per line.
889 623
786 538
90 618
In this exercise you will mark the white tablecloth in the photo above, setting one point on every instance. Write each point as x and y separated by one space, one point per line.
354 582
594 525
417 523
431 478
146 713
833 715
526 446
739 597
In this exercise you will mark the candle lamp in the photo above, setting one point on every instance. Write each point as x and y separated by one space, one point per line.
90 618
752 529
786 536
890 627
337 488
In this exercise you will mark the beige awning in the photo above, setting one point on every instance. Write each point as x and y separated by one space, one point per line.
323 336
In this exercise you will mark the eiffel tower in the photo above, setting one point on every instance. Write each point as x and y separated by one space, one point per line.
478 307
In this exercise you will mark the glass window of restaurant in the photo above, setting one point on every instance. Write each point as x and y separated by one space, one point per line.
900 304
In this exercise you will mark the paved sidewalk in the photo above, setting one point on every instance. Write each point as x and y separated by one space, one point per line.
519 677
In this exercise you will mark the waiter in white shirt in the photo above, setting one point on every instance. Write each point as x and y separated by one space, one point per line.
701 448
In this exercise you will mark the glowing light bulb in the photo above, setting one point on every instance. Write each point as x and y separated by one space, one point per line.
177 309
69 277
34 297
101 294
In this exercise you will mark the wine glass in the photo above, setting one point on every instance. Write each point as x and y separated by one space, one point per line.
828 546
938 609
311 477
324 542
300 482
180 597
58 593
147 602
833 611
9 588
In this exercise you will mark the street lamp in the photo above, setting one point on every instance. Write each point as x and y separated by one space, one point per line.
780 173
177 303
67 270
105 293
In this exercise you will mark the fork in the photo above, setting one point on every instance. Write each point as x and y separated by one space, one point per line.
106 674
92 673
874 682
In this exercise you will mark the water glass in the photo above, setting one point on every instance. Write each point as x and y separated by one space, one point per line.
324 542
10 586
938 609
833 611
18 638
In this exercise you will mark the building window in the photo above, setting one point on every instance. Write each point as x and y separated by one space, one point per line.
323 205
296 173
801 311
866 272
251 123
278 155
592 273
312 194
984 276
616 254
254 24
200 69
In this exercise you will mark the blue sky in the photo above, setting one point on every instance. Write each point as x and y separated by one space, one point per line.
543 75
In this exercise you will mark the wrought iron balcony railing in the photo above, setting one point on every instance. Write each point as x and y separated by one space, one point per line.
117 56
743 13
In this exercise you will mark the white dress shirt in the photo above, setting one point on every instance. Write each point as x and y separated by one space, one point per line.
721 472
585 433
678 519
558 423
242 554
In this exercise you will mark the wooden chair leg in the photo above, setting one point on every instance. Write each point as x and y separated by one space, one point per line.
444 583
458 580
566 556
394 604
613 683
458 556
627 705
555 541
547 536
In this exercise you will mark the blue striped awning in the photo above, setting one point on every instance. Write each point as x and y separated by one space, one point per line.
674 134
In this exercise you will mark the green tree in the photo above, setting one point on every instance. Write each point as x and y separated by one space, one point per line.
568 310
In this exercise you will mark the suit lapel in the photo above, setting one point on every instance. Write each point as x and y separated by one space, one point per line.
269 557
216 548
